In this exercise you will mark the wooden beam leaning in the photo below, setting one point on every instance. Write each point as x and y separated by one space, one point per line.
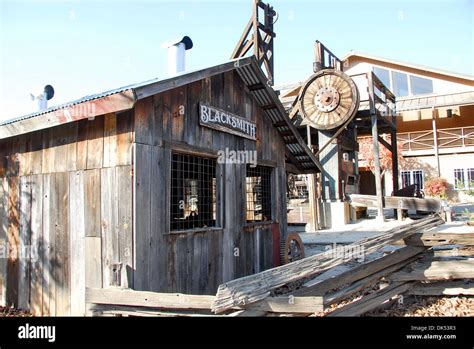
372 301
385 143
363 283
398 258
256 287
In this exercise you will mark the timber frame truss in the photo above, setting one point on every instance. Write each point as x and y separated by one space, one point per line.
258 34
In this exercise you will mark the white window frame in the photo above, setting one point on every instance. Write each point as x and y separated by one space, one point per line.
412 177
466 178
410 92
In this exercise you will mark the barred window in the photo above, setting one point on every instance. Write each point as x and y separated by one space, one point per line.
258 194
193 192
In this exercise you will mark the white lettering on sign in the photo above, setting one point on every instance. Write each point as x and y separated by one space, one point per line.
226 122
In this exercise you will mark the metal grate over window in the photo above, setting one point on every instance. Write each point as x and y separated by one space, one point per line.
258 193
193 192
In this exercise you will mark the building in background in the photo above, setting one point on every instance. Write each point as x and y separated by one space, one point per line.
435 124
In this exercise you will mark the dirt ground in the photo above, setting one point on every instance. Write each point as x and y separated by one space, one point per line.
11 312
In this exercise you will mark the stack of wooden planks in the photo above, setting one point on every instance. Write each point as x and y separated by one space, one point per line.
428 264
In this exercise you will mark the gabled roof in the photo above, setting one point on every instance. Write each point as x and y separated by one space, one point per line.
124 98
407 64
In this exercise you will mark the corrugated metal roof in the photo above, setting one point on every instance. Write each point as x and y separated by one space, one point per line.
437 101
73 103
266 97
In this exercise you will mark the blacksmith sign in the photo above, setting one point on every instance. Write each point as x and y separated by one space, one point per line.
226 122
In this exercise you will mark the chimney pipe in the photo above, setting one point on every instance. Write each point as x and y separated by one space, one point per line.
41 96
176 53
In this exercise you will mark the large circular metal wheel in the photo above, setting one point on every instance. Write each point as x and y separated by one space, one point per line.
328 99
292 249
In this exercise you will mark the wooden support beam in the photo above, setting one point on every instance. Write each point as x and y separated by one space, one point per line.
238 48
246 47
122 310
454 252
287 134
395 185
440 239
280 124
375 137
256 287
127 297
391 126
294 110
385 143
400 202
177 301
372 301
437 270
444 288
347 143
247 313
257 86
269 107
289 304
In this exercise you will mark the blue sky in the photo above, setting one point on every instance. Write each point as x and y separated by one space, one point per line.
84 47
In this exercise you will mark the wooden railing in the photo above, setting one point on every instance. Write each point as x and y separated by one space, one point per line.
447 138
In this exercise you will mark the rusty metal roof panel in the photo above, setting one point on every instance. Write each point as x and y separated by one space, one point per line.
69 104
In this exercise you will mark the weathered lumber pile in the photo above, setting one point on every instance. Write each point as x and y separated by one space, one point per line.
257 287
417 268
343 281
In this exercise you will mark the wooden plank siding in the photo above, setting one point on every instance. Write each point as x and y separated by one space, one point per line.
52 212
197 262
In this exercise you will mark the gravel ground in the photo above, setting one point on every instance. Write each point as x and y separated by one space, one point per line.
430 306
413 306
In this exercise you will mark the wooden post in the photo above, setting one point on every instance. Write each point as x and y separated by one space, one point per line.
398 212
375 139
394 161
312 192
435 139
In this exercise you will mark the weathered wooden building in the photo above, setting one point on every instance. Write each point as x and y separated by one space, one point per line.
129 188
